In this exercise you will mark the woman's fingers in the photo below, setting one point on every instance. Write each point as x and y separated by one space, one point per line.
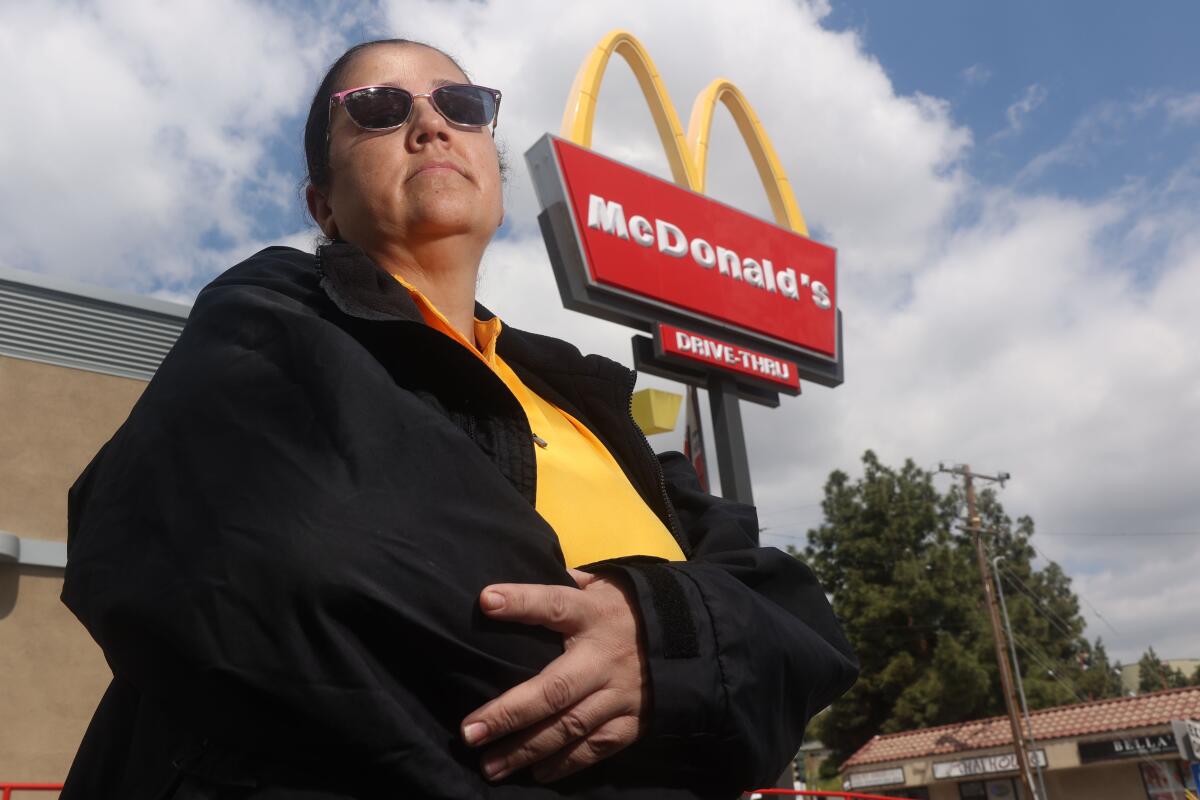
606 740
559 608
570 715
581 578
552 735
562 684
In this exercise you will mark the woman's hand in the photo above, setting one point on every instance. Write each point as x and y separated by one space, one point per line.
588 703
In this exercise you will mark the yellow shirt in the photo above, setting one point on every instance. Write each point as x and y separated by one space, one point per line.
581 490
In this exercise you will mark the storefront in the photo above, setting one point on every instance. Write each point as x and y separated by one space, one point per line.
1121 749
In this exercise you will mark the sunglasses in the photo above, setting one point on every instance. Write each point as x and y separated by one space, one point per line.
381 108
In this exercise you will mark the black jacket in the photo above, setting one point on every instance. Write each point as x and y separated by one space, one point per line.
281 552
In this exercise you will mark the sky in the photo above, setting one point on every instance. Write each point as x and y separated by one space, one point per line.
1012 190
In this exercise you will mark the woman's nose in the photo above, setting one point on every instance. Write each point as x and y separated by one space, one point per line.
427 123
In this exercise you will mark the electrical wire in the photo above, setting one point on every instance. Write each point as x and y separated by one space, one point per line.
1053 617
1080 595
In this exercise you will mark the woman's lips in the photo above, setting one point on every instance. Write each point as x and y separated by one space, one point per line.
437 165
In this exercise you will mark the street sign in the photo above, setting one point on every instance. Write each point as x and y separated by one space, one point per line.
1187 737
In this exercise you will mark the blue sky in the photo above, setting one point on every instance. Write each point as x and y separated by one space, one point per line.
1083 56
1012 189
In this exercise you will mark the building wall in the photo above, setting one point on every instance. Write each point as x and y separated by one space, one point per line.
1131 674
1065 778
1115 781
52 421
1101 782
943 791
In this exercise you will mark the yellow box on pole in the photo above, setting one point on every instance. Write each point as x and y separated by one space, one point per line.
656 411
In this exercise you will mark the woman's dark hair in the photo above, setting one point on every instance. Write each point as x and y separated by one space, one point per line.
316 143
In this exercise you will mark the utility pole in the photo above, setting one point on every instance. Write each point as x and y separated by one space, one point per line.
1012 646
975 527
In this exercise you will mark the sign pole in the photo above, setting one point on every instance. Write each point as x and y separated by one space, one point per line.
732 461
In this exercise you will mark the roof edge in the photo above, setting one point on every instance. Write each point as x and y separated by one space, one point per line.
1108 701
99 294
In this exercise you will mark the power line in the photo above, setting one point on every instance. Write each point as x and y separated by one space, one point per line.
1050 669
1057 620
793 508
1079 594
1098 534
1079 696
1084 534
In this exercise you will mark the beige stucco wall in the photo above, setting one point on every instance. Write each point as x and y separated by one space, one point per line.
1113 781
52 421
1065 778
1110 781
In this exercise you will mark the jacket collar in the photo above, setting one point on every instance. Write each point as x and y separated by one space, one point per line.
360 288
594 389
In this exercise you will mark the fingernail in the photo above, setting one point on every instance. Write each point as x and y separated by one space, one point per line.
493 768
475 732
493 601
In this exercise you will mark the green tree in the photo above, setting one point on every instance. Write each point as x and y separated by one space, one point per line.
1100 677
1154 674
905 582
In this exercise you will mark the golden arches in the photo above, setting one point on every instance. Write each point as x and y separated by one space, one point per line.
688 158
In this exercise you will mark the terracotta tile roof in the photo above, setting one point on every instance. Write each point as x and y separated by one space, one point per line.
1082 719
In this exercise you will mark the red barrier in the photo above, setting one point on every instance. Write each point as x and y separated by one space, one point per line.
9 788
814 793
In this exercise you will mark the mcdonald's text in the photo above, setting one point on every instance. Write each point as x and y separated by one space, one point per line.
656 243
609 216
707 350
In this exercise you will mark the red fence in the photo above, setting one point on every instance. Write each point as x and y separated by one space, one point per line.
6 789
810 793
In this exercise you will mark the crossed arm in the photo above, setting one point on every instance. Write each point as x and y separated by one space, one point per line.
736 647
587 704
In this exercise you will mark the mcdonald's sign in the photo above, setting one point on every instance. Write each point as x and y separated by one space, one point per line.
720 289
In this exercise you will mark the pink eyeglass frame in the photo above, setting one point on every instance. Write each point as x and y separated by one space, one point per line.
339 99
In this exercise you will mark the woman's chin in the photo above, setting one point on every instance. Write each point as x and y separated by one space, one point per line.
442 221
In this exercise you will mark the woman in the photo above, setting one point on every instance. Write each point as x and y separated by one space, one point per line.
360 539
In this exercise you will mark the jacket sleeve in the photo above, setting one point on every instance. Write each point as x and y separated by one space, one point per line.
272 548
742 645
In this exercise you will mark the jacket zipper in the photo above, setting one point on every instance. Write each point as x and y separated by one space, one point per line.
672 522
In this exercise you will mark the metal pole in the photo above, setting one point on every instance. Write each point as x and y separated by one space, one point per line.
732 461
1006 686
1012 646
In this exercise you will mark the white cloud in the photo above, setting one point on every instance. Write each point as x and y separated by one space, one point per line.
1049 337
1113 123
976 75
1183 109
139 128
1017 113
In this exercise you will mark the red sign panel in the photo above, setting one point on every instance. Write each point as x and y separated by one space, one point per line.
655 240
707 350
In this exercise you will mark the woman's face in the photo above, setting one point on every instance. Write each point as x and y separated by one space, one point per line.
426 180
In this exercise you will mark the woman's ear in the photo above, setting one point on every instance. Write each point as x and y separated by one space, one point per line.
322 211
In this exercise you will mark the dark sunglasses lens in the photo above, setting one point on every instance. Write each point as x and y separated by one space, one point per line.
466 105
379 107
